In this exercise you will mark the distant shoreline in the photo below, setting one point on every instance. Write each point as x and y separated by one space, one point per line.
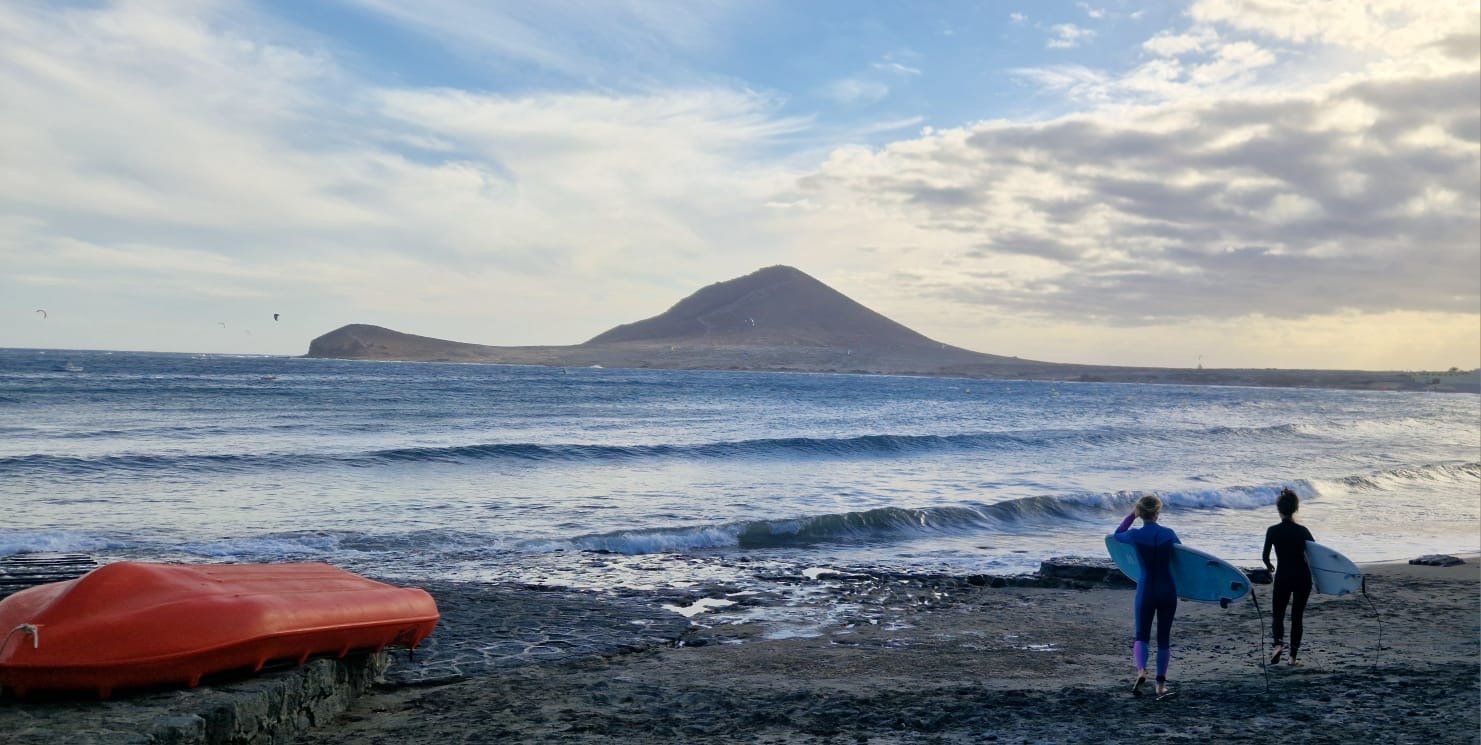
586 357
903 353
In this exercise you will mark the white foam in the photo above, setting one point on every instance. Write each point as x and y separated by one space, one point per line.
703 605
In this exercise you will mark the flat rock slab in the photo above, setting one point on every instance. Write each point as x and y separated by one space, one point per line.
273 707
1438 560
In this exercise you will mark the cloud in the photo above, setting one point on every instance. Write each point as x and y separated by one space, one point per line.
1168 44
575 39
1248 167
1256 204
1068 36
896 68
199 154
1392 27
854 91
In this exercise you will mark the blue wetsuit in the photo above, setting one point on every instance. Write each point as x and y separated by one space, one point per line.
1156 595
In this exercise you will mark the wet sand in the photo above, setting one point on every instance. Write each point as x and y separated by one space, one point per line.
943 660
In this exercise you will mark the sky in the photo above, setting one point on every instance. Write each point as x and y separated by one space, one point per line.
1232 183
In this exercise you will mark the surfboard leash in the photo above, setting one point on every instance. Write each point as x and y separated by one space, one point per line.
1260 621
1377 653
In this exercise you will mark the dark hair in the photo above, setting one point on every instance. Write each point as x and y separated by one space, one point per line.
1287 503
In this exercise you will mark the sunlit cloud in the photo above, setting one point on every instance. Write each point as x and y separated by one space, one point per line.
1243 168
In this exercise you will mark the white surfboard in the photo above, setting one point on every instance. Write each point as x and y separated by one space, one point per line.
1198 576
1331 572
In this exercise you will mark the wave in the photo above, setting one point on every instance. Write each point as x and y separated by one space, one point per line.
294 545
863 446
1398 478
882 525
1024 515
889 524
56 541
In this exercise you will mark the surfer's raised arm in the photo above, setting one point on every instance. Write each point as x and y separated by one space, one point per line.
1126 523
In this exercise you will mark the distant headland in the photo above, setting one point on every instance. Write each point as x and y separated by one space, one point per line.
783 320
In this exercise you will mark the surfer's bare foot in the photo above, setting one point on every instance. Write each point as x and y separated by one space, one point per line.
1274 658
1136 688
1292 662
1164 693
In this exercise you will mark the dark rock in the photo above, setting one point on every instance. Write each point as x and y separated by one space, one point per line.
1437 560
1078 568
1258 575
1081 572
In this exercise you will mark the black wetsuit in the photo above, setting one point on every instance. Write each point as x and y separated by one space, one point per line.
1292 577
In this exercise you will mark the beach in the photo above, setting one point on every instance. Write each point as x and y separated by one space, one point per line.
957 660
671 556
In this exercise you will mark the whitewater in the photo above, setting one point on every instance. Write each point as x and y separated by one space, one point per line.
603 477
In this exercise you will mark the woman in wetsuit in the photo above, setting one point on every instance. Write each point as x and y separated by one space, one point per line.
1293 580
1156 595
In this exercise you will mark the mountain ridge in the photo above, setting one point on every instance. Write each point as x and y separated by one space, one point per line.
780 319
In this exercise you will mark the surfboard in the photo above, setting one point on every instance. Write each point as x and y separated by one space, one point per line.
1199 576
1331 572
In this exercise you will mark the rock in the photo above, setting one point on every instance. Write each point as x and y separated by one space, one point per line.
1437 560
1070 571
1258 575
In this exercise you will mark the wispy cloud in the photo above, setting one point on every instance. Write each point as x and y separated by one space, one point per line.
856 91
1068 36
577 39
897 68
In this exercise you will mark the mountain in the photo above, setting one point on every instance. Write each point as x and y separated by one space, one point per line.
775 306
781 319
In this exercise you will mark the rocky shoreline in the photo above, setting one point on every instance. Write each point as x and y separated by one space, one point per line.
903 659
858 657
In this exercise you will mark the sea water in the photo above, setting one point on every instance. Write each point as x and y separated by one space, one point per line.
594 477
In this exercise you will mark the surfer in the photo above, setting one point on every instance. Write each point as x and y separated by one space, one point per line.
1293 581
1156 595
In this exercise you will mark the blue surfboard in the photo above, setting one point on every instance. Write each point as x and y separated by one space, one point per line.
1199 576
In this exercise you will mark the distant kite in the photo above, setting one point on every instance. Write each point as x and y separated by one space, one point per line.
222 324
42 312
275 316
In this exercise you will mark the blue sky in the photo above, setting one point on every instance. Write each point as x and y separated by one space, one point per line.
1259 184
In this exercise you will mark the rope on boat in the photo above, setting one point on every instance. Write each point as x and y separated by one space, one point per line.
29 628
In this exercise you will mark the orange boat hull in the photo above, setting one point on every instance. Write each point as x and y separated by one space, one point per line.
134 624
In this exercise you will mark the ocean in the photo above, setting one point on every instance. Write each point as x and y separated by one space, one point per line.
599 478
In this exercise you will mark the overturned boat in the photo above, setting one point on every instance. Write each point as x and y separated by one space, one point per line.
136 624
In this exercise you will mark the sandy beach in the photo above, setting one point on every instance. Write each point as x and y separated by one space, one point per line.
947 660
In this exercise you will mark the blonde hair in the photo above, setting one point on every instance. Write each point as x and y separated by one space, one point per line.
1148 507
